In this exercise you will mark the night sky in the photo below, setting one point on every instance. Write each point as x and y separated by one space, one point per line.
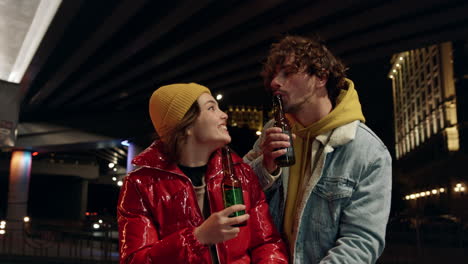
375 93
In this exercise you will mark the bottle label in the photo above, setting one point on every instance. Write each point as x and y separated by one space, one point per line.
288 158
232 196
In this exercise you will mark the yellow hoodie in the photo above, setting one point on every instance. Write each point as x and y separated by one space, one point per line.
347 110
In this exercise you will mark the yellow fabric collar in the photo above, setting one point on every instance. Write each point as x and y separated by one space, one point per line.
347 110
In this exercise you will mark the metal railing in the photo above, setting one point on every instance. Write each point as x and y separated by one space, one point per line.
57 246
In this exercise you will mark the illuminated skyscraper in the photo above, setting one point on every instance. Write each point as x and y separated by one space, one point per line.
425 102
430 107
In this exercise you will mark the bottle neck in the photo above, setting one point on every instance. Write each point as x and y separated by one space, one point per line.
227 162
280 117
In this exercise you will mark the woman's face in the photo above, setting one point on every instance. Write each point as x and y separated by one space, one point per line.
210 126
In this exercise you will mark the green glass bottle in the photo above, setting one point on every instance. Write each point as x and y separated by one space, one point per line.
288 159
231 185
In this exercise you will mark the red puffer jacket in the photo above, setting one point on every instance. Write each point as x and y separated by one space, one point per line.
158 212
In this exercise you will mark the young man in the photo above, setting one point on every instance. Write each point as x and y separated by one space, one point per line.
333 204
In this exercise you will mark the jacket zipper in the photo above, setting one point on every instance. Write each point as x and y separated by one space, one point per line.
195 195
211 212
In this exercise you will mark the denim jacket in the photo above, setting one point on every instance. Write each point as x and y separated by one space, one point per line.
343 213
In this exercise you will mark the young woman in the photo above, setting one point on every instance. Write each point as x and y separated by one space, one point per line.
171 209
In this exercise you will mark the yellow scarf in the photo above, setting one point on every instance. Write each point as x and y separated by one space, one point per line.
347 110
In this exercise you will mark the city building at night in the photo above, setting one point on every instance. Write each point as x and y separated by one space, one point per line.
245 116
430 124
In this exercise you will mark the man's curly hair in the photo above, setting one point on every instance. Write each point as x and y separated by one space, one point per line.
310 56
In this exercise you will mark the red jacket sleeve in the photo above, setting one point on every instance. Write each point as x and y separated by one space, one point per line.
267 245
139 240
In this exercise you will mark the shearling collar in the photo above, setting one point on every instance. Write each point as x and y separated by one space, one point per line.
340 135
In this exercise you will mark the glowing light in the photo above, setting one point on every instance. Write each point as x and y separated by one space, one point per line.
26 219
96 226
258 132
2 232
111 165
100 221
407 197
125 143
441 190
114 178
458 185
434 191
219 97
119 183
115 169
401 58
428 193
453 141
35 153
412 196
422 194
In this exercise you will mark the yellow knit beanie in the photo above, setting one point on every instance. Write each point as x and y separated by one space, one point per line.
170 103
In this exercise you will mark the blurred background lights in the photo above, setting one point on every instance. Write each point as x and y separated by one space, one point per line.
459 188
219 97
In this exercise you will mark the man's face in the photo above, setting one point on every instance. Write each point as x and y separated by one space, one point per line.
298 90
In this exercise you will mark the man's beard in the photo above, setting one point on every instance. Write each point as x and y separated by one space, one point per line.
295 108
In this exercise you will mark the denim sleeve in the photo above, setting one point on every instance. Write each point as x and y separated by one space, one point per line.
255 159
361 238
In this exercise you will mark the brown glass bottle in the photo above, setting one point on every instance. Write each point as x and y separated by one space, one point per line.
231 185
288 158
